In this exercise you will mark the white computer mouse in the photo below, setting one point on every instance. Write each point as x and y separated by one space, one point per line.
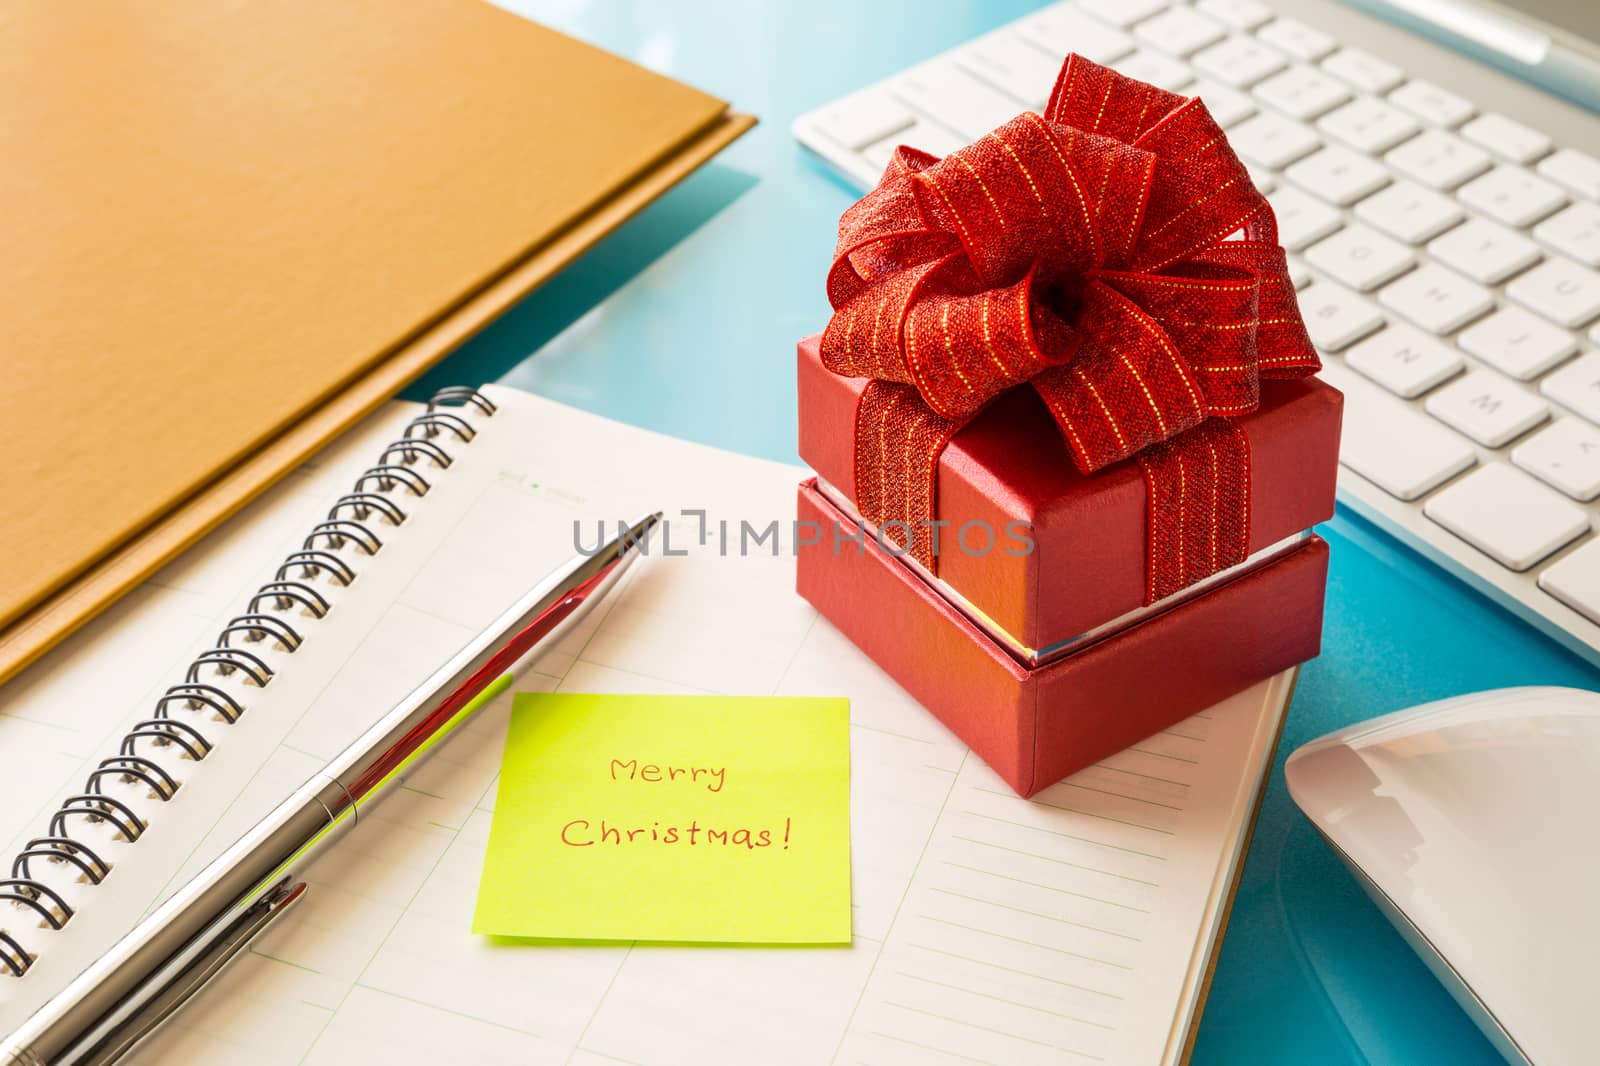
1474 823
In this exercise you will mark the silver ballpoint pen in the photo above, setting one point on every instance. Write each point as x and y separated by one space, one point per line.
164 960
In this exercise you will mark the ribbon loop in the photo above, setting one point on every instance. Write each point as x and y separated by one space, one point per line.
1091 254
1127 389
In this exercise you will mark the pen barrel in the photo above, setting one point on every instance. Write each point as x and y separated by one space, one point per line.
89 1020
79 1023
378 759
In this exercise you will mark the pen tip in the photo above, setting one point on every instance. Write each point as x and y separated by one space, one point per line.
642 527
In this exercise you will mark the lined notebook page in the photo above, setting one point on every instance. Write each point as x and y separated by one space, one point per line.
1071 928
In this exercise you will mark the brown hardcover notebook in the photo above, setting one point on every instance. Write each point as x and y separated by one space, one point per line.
233 229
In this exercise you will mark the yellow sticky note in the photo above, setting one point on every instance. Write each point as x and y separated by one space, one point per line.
681 818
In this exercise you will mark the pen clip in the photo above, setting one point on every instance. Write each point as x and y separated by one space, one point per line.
221 949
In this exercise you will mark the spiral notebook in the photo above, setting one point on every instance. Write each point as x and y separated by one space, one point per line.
1076 927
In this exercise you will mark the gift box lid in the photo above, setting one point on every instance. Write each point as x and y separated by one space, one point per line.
1087 565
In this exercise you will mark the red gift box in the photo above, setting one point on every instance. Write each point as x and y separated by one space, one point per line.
1077 336
1090 531
1036 725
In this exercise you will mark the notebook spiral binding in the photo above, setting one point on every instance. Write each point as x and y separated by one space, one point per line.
25 893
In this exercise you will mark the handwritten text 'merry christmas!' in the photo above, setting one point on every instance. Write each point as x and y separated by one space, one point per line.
584 833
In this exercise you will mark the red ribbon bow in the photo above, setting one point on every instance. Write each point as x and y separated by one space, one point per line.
1085 253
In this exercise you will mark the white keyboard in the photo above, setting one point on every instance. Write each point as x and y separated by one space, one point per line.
1445 254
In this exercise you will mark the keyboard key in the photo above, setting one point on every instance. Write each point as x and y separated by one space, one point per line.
1363 70
1360 257
1438 159
1487 407
1013 66
1180 30
1299 273
1302 219
1507 515
1436 299
1227 105
1335 316
1517 342
1061 29
859 120
1392 445
1239 62
1405 360
1485 251
1296 38
1506 139
1302 92
1575 231
1576 386
1369 125
1241 14
1122 12
1408 211
1159 70
1575 580
1431 103
926 135
1261 178
1512 195
1576 171
1559 289
1565 455
1272 140
1339 175
961 101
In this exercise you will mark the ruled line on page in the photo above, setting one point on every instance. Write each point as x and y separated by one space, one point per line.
1035 944
1117 795
1035 914
1062 862
929 1047
999 999
1070 836
1164 755
1108 765
1096 814
990 963
1048 888
951 1020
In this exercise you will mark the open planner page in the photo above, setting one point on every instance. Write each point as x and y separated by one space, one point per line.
1075 927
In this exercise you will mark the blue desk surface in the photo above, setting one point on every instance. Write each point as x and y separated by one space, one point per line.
685 321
